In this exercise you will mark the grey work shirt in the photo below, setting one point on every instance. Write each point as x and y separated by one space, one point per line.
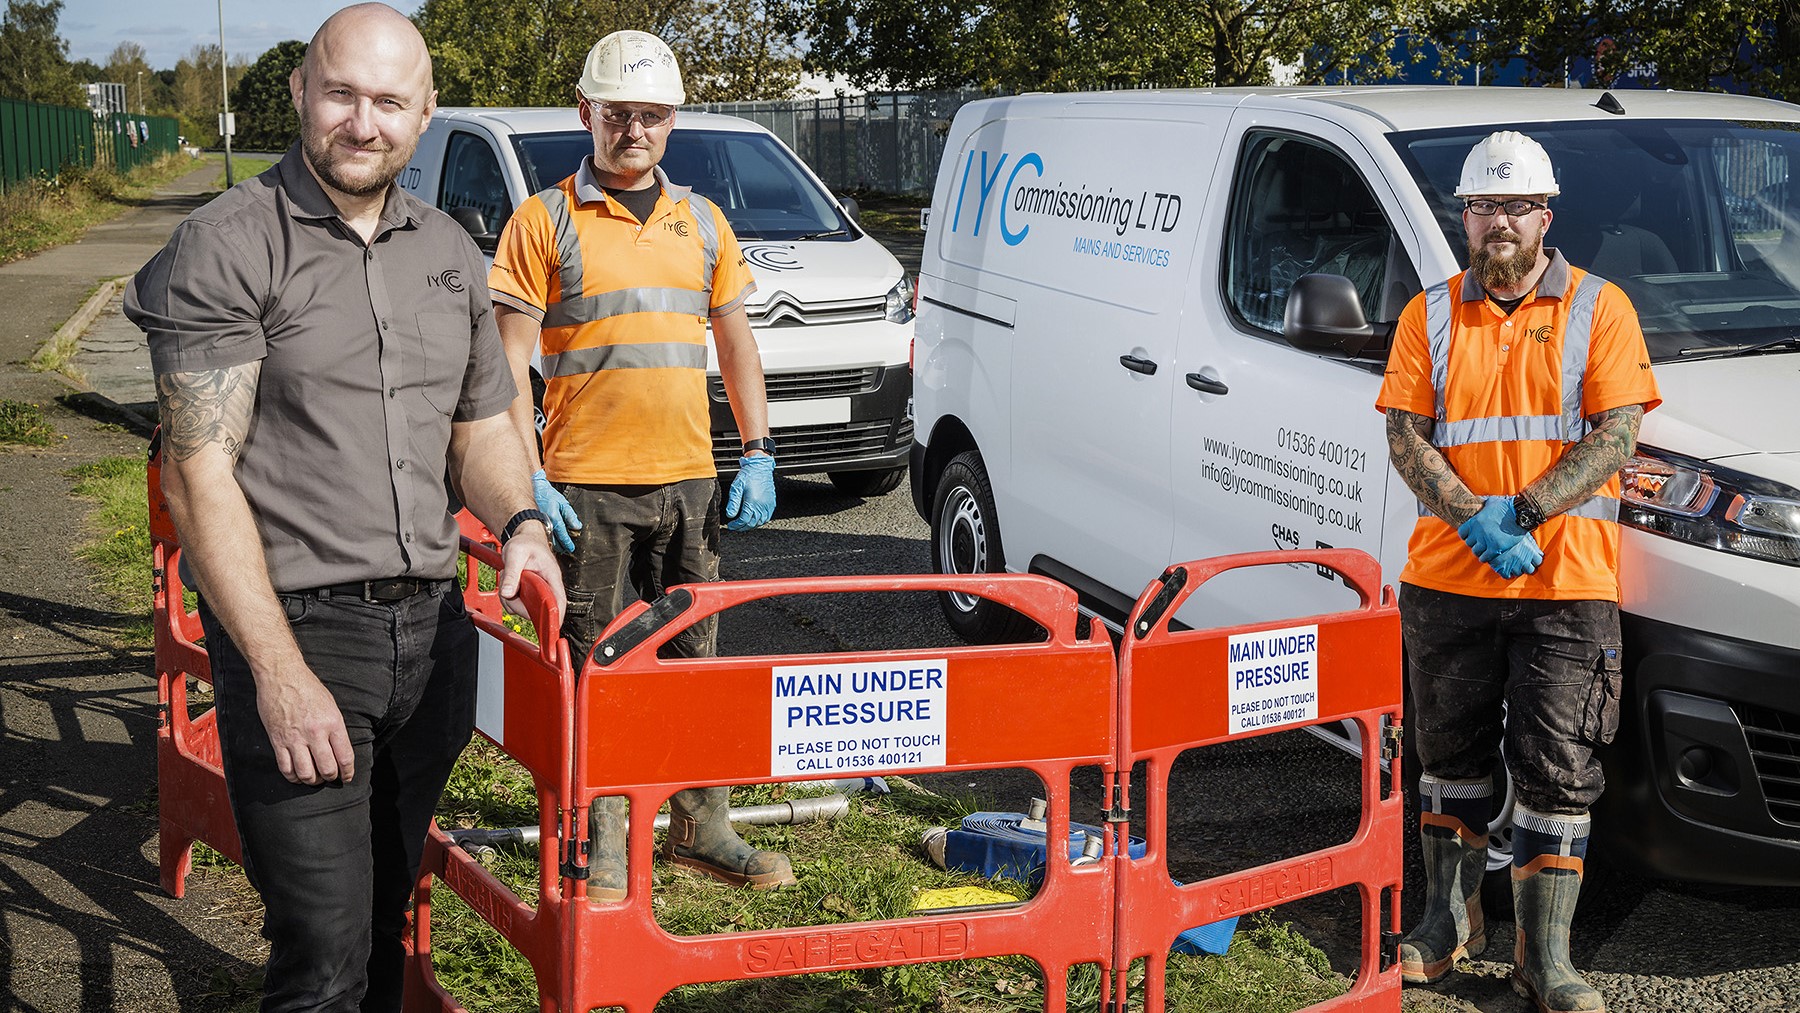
368 354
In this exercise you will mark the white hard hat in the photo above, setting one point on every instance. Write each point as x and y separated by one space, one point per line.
1507 162
631 67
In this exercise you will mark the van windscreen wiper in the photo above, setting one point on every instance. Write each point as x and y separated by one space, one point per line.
1727 351
821 235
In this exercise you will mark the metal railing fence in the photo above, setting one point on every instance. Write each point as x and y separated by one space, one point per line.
39 141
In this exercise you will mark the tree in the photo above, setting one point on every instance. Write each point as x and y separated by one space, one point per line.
266 120
530 52
1020 45
34 59
128 66
1741 45
196 93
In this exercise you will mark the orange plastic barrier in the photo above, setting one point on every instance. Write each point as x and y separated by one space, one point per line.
190 782
1182 689
628 727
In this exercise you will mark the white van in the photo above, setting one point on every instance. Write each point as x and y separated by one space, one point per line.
1116 369
832 311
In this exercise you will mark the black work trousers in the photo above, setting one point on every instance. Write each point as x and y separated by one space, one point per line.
1555 665
336 863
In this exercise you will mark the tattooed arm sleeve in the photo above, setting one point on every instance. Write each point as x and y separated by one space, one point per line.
1586 466
1424 469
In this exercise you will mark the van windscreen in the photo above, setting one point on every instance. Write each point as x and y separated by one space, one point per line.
757 183
1697 220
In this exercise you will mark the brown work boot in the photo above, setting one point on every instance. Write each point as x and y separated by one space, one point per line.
606 850
1452 927
701 838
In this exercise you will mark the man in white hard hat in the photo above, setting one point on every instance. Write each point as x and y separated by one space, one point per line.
617 271
1513 396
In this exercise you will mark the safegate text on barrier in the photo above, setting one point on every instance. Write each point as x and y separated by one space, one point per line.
1274 677
886 715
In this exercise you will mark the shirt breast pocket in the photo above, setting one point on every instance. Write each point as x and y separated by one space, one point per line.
443 355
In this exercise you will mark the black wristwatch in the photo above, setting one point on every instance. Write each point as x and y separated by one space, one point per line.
766 444
1526 512
520 518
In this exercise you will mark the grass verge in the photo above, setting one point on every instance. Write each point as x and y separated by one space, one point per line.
866 866
52 212
242 168
24 424
883 212
863 867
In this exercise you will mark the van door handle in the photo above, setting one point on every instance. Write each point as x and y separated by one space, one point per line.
1137 365
1206 384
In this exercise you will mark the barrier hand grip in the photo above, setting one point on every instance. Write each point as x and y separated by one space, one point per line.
641 629
1165 595
535 597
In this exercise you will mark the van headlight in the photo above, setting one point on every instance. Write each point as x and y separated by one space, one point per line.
1694 501
900 301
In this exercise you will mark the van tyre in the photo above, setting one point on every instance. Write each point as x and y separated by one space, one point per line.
867 484
965 539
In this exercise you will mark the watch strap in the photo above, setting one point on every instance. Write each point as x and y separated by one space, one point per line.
765 444
532 514
1526 513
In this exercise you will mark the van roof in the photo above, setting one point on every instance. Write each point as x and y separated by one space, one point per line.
1424 107
550 119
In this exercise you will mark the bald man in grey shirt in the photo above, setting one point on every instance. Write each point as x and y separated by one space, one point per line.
326 357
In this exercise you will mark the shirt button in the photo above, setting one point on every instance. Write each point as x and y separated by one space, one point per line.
409 538
393 392
1506 348
384 325
1507 324
400 464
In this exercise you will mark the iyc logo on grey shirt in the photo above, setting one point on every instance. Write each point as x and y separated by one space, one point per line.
451 279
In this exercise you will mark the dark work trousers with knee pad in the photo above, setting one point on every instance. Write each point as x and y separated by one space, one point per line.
1555 665
636 542
336 863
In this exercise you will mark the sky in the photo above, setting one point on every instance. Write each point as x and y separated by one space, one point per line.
170 29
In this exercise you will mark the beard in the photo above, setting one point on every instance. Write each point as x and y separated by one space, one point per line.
354 181
1503 272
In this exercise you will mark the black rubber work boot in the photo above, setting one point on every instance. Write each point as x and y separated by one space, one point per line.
606 850
701 838
1549 853
1452 927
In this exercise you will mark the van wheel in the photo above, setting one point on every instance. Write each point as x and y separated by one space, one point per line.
965 539
867 484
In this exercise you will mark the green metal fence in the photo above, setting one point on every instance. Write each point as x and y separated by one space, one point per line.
38 140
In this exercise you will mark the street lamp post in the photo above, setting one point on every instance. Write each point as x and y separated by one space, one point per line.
140 93
224 98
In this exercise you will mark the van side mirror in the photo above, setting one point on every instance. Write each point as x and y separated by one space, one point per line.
851 209
1324 314
475 224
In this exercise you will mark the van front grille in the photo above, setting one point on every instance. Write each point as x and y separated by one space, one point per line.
805 386
1774 738
801 445
783 310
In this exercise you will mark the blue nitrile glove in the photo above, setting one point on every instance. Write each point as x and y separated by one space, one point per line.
1493 530
557 508
1521 559
752 499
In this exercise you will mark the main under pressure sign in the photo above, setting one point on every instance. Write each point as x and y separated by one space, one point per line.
1274 677
845 718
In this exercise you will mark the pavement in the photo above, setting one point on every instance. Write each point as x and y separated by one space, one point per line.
84 923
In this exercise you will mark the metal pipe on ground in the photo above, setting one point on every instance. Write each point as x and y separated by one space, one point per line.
800 810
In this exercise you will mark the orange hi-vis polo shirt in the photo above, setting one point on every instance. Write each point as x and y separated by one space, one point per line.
624 311
1510 395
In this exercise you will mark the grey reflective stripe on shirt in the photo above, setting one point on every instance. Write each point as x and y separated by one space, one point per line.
1569 427
1437 330
587 309
709 242
1598 508
654 355
1575 355
568 246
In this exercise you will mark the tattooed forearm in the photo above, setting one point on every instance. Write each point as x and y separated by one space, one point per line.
1424 469
211 407
1587 465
